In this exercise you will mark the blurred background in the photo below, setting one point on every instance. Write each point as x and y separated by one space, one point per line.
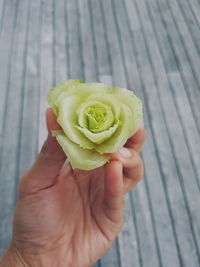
149 46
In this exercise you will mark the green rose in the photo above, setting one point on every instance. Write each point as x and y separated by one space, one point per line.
95 120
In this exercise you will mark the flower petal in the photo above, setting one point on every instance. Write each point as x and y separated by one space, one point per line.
80 158
54 92
67 118
128 98
119 138
83 90
99 138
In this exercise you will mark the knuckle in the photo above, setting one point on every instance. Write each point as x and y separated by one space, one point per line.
136 160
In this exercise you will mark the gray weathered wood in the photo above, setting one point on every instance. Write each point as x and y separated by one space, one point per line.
8 35
60 42
190 20
190 47
46 70
88 44
181 99
100 37
75 52
31 95
194 6
2 12
185 68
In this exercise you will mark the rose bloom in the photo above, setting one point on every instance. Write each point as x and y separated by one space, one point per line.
95 120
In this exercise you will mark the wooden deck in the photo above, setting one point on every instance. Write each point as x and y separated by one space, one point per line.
149 46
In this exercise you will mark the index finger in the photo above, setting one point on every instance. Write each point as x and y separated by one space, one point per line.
137 140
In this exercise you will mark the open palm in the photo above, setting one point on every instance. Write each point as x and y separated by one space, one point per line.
70 217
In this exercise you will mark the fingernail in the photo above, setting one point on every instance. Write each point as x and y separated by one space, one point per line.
126 153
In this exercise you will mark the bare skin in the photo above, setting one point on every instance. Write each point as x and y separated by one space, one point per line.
70 217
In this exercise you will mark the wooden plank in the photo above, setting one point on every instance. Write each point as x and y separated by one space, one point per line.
2 13
30 106
126 52
112 44
87 39
60 44
11 135
194 6
75 54
100 38
8 37
46 71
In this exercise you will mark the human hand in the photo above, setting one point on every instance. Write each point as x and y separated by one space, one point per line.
67 217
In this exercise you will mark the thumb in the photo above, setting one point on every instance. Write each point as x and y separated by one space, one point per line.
48 163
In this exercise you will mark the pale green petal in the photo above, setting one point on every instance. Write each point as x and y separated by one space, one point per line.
68 120
128 98
81 158
83 90
61 87
119 138
57 132
99 138
108 99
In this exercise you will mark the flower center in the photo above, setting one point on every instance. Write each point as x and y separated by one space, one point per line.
99 117
96 116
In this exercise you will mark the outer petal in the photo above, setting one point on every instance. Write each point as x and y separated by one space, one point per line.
62 87
80 158
83 90
128 98
68 120
119 138
99 138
